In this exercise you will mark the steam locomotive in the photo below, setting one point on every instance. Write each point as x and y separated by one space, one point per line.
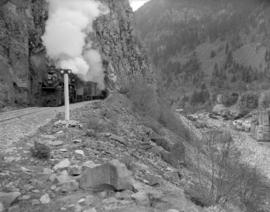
52 89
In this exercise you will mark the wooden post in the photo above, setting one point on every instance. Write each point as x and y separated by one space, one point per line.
66 72
66 91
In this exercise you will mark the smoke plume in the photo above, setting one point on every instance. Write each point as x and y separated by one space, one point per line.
67 29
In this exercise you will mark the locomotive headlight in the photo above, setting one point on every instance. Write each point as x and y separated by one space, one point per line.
69 71
62 71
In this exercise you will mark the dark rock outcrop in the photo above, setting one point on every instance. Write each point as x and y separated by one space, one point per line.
22 24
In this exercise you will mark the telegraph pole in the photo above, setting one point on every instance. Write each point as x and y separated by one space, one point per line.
66 72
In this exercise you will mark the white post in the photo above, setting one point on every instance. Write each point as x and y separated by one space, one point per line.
66 90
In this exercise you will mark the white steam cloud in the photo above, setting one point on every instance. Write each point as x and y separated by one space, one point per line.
68 26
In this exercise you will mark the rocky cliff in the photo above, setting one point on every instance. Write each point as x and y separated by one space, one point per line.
23 57
21 26
207 47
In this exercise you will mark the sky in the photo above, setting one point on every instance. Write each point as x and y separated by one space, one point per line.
136 4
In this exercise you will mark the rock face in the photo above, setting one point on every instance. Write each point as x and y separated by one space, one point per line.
123 56
23 57
21 51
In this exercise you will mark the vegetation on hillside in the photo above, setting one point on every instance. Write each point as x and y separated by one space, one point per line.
218 44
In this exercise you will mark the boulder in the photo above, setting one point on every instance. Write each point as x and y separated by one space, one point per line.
125 180
62 164
8 198
45 199
94 178
110 176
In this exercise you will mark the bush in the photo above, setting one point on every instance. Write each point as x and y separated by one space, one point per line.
264 100
226 180
229 100
146 101
248 102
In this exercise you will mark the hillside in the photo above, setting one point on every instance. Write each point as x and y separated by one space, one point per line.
204 48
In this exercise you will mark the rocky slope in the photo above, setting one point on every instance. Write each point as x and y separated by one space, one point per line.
203 48
107 160
23 57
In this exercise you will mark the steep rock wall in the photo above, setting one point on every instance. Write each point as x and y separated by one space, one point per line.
21 26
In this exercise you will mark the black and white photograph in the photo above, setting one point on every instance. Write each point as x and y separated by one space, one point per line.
134 105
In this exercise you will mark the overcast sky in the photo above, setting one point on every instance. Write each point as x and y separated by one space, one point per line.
136 4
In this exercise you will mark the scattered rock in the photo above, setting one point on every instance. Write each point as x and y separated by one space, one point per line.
91 133
81 201
89 164
90 210
47 171
45 199
56 143
49 137
63 177
69 186
53 177
172 210
125 195
35 202
89 200
1 207
75 170
70 123
79 152
118 138
141 198
125 180
8 198
62 164
25 197
41 150
77 141
63 150
14 208
77 208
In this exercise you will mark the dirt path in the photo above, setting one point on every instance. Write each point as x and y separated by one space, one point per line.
26 124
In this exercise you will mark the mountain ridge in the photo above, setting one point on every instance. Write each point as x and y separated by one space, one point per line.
218 46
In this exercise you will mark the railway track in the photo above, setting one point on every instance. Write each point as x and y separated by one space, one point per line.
16 114
6 116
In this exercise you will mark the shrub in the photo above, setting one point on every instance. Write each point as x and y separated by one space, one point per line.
231 99
264 100
146 101
248 102
225 179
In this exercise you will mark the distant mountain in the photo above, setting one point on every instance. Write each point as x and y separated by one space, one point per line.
207 47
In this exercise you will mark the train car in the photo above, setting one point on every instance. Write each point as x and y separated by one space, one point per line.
52 89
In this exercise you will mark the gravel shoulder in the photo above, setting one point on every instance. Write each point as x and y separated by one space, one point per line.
13 130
